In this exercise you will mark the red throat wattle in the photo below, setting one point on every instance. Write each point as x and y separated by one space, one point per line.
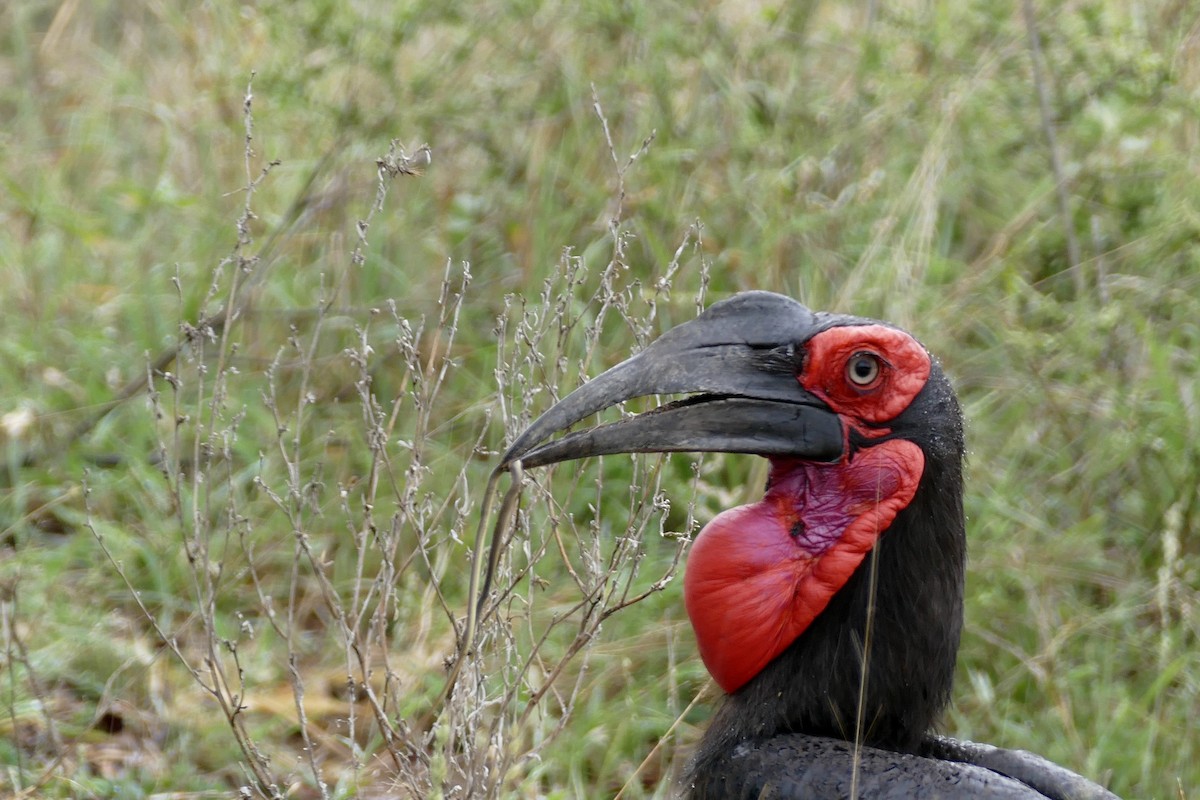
759 574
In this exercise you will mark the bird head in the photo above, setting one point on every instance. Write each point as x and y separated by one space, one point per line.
864 437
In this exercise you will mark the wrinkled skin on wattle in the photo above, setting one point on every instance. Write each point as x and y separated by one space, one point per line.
759 574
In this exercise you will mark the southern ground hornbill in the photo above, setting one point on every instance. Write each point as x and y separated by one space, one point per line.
830 610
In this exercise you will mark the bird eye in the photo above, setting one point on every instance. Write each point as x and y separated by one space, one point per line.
862 369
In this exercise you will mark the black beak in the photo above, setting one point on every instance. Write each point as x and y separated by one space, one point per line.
740 359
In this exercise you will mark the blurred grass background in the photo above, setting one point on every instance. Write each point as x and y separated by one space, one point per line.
887 160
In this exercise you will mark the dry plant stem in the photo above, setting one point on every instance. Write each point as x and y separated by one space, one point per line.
364 623
502 532
213 679
705 690
298 498
605 573
585 634
367 535
435 372
217 687
621 169
462 509
7 628
480 581
1060 179
229 690
471 742
214 323
16 652
222 674
860 710
293 507
301 501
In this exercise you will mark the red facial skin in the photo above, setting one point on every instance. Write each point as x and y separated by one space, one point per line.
759 574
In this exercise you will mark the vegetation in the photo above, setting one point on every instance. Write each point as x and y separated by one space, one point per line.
259 353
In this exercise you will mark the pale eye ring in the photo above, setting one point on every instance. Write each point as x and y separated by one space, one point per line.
863 369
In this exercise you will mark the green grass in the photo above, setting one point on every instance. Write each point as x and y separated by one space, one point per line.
893 166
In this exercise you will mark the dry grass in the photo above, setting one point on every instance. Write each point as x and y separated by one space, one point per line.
284 505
